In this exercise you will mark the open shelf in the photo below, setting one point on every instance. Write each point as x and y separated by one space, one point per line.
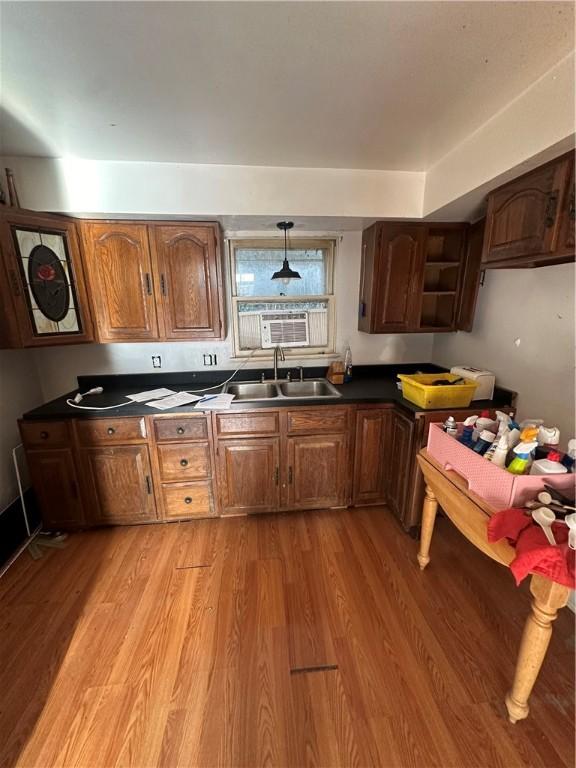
444 246
437 309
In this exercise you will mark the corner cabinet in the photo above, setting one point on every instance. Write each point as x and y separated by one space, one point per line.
417 278
154 281
43 299
530 220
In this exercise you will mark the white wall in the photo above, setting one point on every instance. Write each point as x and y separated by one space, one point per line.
19 392
61 365
524 332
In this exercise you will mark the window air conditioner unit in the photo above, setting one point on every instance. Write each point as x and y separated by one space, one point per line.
287 329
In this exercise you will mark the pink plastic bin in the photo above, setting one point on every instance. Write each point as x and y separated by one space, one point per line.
498 487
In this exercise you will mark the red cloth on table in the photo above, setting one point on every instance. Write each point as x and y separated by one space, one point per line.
533 552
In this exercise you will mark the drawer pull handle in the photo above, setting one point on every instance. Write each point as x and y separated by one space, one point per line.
183 462
290 474
44 435
148 284
111 430
188 500
276 475
551 205
148 484
180 430
163 285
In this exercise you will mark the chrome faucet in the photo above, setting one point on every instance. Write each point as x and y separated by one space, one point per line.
277 351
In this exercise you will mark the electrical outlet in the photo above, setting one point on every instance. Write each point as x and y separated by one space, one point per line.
209 360
156 361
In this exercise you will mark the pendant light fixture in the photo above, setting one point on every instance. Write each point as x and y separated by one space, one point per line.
286 274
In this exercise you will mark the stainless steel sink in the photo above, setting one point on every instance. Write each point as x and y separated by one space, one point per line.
252 390
313 388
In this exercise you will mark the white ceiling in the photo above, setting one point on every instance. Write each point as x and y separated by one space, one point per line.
379 85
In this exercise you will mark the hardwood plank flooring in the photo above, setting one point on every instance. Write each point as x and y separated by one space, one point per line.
304 639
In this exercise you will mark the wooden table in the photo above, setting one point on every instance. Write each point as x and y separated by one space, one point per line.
470 514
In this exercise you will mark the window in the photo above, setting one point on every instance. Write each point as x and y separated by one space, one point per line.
252 264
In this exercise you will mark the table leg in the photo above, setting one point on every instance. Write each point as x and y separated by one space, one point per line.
429 509
548 598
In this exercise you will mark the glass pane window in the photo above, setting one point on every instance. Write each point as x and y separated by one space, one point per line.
254 267
255 294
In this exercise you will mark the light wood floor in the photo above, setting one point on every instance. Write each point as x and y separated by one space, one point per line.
295 640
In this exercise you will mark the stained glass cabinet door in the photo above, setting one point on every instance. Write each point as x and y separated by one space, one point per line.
45 279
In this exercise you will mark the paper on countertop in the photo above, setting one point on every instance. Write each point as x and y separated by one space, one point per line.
151 394
215 402
179 398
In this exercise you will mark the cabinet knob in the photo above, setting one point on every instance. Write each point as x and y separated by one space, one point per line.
188 500
183 462
180 430
44 435
111 430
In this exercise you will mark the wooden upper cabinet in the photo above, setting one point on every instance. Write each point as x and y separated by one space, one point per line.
119 270
43 298
566 244
524 218
189 281
397 274
414 278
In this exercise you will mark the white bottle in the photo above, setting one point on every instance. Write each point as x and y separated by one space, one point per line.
548 466
499 454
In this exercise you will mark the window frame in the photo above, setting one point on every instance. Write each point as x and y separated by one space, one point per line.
327 243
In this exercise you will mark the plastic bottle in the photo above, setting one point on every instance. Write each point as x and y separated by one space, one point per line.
450 427
348 365
483 422
484 441
549 466
548 440
498 455
520 464
466 436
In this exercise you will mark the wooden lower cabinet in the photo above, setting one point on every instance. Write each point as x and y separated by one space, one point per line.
118 484
317 474
53 476
249 475
183 501
371 455
400 462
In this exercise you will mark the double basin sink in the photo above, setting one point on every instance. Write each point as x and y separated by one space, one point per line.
311 389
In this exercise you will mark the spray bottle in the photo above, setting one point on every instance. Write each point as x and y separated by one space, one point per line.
520 464
466 436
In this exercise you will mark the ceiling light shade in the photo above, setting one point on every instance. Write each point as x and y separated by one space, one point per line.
286 274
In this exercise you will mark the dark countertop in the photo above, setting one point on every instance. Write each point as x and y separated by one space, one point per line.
371 384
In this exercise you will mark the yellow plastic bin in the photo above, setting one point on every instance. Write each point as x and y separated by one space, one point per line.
418 389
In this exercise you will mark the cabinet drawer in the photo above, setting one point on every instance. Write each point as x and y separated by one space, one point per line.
52 434
179 429
228 424
318 420
111 431
185 461
183 500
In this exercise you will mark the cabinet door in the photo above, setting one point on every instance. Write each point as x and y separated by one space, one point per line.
42 292
118 484
119 271
523 216
53 477
371 455
249 475
566 241
317 473
400 466
399 273
189 284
